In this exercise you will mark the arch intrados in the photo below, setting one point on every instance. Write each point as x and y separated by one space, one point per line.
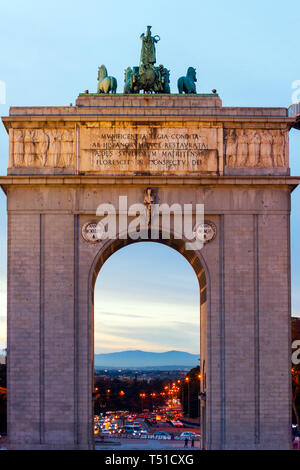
194 258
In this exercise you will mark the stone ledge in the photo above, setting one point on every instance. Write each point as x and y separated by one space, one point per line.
175 180
213 119
148 100
90 213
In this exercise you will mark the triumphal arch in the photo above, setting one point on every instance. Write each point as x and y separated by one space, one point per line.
184 149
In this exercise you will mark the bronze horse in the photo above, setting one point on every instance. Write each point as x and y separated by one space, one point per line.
187 84
105 83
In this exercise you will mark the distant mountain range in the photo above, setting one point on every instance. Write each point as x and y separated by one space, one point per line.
138 359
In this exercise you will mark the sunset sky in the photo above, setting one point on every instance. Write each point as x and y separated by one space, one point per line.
150 305
147 296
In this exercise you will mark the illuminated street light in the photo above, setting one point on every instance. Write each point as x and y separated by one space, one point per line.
142 396
187 379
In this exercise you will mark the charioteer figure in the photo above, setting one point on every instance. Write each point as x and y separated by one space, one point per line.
147 77
148 55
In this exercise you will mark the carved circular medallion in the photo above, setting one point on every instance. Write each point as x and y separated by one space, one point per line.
205 232
91 232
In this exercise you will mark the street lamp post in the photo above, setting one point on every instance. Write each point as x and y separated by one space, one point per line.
187 379
199 395
142 396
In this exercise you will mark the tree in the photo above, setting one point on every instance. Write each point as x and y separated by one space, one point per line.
132 395
190 389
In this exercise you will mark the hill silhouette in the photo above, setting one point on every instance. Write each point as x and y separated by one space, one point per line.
146 359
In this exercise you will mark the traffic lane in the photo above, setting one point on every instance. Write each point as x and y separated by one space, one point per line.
144 444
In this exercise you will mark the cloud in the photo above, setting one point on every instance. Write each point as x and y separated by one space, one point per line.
147 316
158 295
119 314
146 308
154 337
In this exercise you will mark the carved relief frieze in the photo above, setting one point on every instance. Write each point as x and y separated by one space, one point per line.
256 148
43 148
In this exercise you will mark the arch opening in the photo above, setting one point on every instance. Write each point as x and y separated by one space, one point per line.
197 263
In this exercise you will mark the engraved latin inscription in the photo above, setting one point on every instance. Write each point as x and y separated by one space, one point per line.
140 150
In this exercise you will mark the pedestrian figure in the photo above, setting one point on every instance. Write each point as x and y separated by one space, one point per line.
193 443
186 442
296 443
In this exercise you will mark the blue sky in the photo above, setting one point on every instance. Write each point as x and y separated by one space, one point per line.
152 303
248 51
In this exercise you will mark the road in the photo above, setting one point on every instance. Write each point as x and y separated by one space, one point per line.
143 444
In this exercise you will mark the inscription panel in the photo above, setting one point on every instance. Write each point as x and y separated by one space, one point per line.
140 150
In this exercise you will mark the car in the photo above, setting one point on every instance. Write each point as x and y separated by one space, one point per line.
137 426
105 432
113 431
130 432
162 435
177 424
96 429
189 435
139 432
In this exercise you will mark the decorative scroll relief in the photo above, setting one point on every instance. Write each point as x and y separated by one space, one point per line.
138 150
42 148
252 148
